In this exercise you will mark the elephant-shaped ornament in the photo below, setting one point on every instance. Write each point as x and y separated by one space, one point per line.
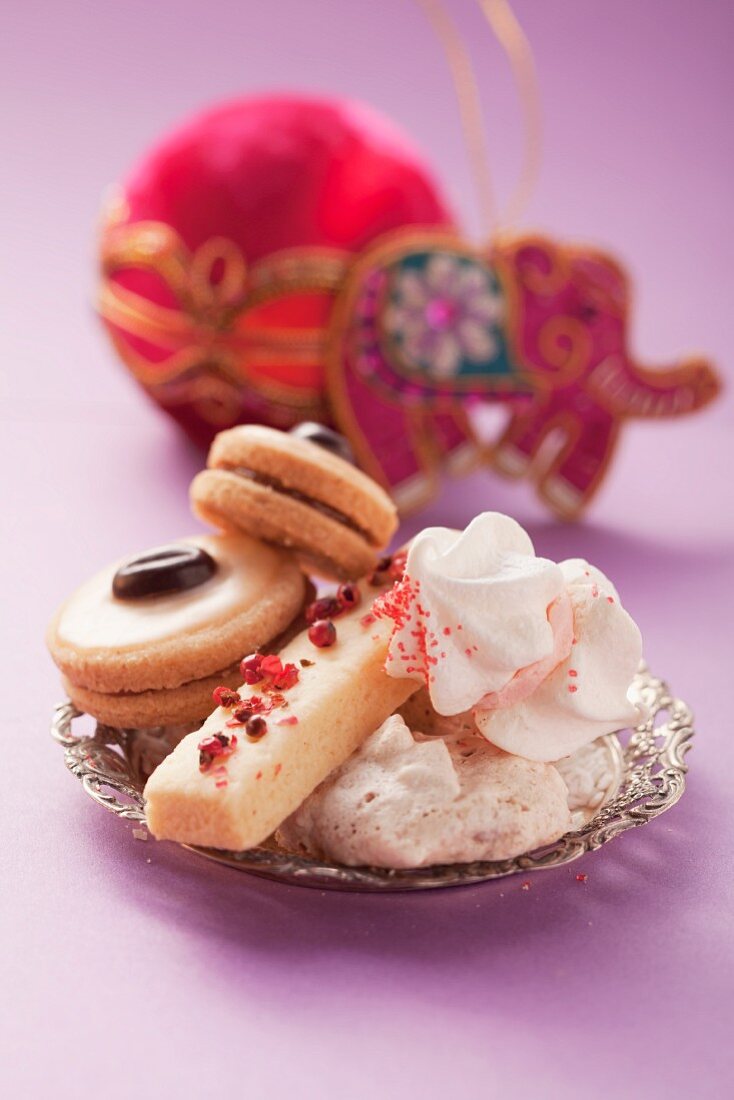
427 330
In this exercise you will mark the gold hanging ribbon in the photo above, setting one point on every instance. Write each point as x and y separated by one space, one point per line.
514 43
470 107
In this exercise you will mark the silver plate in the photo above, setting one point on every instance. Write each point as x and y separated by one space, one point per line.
643 777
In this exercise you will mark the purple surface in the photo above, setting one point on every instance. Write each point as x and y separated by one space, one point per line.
144 967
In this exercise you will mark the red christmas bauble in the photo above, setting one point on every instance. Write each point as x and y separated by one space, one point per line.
223 250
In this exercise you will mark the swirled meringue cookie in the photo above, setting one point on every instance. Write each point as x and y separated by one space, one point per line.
545 654
402 801
471 611
586 694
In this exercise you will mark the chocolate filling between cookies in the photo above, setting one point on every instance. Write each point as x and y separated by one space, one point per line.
278 486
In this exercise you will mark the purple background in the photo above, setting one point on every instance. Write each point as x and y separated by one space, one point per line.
142 966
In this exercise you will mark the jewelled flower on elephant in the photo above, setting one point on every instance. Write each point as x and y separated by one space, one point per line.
443 315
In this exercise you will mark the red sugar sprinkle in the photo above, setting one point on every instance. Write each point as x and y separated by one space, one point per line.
594 590
610 599
572 672
368 619
572 688
581 878
278 769
259 775
468 652
291 720
447 630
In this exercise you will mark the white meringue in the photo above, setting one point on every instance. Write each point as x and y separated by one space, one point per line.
472 610
586 695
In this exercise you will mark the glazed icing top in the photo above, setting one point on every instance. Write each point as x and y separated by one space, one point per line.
93 618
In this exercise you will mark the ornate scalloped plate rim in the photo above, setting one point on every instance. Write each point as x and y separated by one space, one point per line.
652 780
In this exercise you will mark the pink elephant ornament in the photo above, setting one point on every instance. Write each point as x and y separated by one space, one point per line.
426 329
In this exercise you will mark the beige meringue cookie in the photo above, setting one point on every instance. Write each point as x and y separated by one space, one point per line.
401 801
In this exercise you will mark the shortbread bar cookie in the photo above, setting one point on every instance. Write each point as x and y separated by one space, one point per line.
231 784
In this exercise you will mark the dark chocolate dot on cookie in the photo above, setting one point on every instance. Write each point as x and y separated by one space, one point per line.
324 437
158 572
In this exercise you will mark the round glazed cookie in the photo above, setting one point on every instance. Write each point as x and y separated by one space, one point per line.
190 702
296 490
146 640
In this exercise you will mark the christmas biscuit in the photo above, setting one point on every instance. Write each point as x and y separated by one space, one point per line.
296 490
145 641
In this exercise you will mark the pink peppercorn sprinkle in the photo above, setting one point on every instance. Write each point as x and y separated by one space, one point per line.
225 697
322 633
348 596
250 668
256 727
277 676
328 607
214 747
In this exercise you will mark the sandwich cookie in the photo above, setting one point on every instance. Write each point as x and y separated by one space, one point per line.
298 490
145 641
